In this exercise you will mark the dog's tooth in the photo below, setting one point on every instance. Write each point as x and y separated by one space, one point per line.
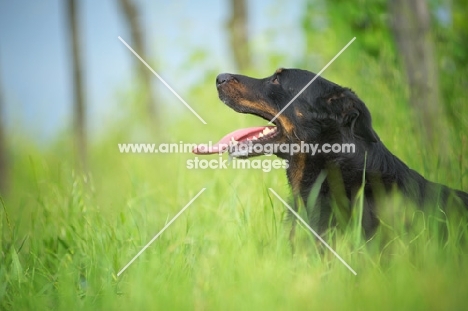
260 135
254 138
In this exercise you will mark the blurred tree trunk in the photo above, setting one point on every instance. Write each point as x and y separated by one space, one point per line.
3 151
79 109
411 28
238 33
130 11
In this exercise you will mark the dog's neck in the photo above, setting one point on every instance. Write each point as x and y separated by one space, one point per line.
304 170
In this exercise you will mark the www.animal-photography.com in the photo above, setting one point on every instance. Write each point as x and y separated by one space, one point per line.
233 155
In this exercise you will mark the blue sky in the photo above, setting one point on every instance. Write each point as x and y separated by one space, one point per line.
34 52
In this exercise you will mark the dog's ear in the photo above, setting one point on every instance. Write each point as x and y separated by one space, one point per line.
361 125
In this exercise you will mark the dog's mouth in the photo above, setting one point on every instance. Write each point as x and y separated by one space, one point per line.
245 142
242 142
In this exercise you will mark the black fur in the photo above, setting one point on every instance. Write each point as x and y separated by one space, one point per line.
328 113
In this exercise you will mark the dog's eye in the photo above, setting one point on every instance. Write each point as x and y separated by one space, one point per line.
275 80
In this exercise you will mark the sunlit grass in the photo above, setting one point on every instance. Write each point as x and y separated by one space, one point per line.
67 234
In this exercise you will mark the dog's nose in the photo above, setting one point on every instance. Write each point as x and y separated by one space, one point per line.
223 78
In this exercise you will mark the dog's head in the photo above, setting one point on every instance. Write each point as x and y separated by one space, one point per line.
301 105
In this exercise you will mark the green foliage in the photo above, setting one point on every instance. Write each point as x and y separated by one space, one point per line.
66 235
450 38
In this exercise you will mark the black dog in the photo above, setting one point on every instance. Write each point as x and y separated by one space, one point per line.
324 113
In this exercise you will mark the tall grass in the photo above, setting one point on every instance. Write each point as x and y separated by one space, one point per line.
65 235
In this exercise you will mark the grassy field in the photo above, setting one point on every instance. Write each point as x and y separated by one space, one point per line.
66 235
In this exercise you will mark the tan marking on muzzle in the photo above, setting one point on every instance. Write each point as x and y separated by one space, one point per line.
238 92
264 107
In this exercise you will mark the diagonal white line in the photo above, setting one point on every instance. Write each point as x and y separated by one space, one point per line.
160 232
312 230
311 81
162 80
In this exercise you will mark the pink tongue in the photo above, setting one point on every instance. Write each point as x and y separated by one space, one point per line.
223 144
